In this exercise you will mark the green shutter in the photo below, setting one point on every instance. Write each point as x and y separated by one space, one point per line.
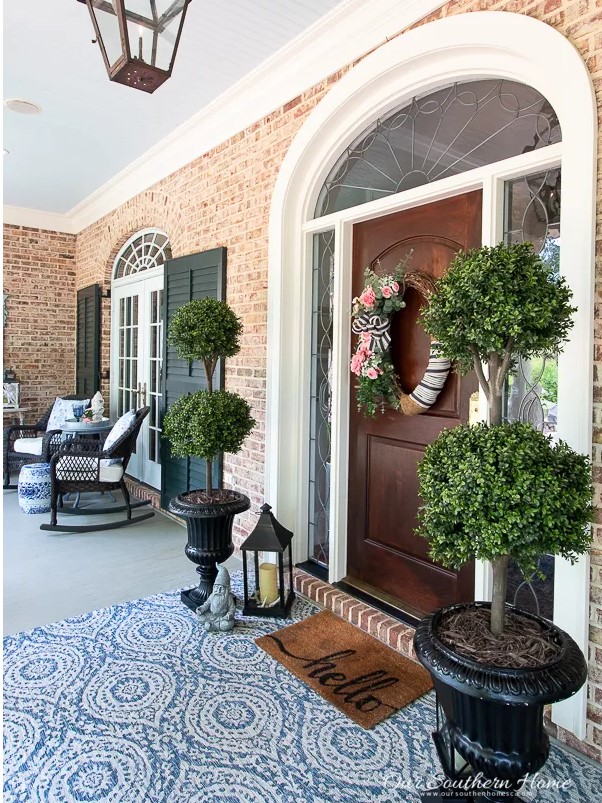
87 355
187 278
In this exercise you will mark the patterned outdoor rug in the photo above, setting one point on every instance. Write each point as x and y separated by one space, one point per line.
367 680
137 704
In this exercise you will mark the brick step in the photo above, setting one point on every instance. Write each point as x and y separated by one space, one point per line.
390 631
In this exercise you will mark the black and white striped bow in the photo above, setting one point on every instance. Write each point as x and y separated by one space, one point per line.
378 328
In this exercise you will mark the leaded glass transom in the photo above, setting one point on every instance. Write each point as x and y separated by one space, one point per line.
441 134
146 250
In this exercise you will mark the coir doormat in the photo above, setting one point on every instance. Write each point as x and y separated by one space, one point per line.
362 677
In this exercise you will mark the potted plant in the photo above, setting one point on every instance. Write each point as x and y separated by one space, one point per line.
205 424
492 492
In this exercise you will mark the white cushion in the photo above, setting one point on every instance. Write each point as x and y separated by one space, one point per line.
28 445
110 471
120 426
62 410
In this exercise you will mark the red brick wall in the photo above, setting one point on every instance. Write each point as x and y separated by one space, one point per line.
223 199
39 339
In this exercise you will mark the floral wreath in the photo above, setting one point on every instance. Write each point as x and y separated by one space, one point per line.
372 311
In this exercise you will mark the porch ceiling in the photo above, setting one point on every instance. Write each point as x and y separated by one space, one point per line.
90 129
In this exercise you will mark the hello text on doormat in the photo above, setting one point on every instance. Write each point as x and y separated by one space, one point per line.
362 677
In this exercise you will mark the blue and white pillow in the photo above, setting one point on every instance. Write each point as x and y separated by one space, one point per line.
63 410
120 426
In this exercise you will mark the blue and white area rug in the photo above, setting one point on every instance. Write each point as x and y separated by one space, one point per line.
137 704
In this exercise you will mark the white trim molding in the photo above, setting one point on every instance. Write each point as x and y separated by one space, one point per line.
37 219
462 47
347 32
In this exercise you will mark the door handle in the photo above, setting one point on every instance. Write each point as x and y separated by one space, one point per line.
141 394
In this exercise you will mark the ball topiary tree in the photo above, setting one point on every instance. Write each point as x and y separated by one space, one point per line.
496 305
208 422
494 492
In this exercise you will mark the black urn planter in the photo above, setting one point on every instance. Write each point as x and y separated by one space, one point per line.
209 538
493 716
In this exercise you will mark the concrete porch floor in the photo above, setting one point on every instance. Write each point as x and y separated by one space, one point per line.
52 576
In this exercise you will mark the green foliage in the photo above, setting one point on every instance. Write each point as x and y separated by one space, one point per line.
374 395
205 329
203 424
492 297
378 385
490 491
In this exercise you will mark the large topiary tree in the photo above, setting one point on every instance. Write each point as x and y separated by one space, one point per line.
208 422
494 306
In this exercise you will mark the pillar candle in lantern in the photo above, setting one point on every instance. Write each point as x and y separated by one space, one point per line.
268 584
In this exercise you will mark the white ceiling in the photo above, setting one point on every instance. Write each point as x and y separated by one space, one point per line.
91 129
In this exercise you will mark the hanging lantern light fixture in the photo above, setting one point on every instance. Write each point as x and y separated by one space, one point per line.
138 39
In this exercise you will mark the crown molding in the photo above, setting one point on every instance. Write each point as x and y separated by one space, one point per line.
38 219
350 30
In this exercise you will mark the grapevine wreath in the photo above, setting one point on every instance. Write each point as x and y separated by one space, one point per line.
372 311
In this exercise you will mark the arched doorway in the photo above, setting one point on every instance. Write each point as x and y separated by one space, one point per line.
137 342
430 58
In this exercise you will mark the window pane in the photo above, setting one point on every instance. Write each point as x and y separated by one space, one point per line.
320 401
441 134
532 214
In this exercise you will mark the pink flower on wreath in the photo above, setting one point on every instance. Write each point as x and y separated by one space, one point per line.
395 287
368 298
366 337
386 291
372 373
356 363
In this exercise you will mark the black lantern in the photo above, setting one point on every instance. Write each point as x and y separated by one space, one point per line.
138 38
270 597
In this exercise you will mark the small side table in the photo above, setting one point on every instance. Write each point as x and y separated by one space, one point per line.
77 429
72 428
34 488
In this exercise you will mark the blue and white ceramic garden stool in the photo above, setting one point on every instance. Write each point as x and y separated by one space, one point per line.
34 488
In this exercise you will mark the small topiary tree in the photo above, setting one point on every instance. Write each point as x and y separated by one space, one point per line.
208 422
495 492
494 306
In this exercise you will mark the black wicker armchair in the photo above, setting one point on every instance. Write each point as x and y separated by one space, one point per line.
43 443
82 465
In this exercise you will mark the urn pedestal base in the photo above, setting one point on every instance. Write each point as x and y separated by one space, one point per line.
209 543
493 716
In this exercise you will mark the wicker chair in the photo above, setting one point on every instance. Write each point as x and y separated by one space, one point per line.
51 439
82 465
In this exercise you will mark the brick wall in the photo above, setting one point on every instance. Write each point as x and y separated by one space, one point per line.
220 199
39 339
223 199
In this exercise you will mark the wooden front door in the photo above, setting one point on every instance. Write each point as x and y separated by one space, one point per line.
384 554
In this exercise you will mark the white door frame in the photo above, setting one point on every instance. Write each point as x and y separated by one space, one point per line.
461 47
121 288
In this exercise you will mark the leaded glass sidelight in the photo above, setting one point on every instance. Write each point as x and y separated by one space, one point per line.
532 214
441 134
321 395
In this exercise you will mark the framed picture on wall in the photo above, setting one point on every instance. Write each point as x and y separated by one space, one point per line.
10 395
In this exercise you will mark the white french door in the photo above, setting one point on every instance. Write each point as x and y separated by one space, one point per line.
136 362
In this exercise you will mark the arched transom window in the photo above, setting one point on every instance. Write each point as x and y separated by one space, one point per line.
147 249
441 134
